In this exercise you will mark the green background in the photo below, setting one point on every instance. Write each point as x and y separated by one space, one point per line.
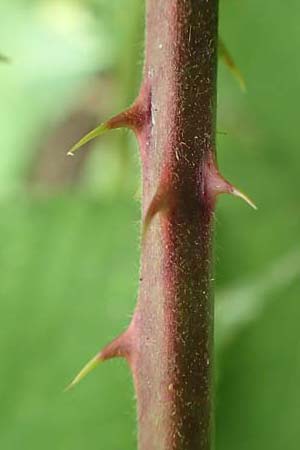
69 245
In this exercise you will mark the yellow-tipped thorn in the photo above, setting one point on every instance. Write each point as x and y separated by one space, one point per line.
89 367
239 77
96 132
244 197
229 62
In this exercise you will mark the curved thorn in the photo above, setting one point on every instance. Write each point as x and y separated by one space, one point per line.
229 62
96 132
132 118
119 347
216 184
89 367
150 214
158 204
244 197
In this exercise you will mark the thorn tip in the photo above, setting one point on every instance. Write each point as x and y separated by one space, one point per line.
244 197
89 137
91 365
229 61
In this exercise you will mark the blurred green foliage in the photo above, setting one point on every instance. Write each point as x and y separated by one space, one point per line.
69 254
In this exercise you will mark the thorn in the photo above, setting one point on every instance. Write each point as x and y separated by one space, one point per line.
132 118
89 137
159 203
216 184
89 367
117 348
244 197
229 62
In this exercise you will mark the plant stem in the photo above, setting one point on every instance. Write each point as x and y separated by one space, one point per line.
169 343
172 353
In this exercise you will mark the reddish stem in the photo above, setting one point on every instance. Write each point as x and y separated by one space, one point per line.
173 322
169 343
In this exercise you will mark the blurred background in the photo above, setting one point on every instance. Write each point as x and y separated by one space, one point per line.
69 226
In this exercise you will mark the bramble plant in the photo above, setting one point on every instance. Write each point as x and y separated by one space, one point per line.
169 342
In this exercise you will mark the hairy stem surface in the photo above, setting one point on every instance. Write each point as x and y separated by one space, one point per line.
173 324
169 343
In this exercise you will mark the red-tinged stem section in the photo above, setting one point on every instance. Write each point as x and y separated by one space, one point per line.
173 321
169 343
